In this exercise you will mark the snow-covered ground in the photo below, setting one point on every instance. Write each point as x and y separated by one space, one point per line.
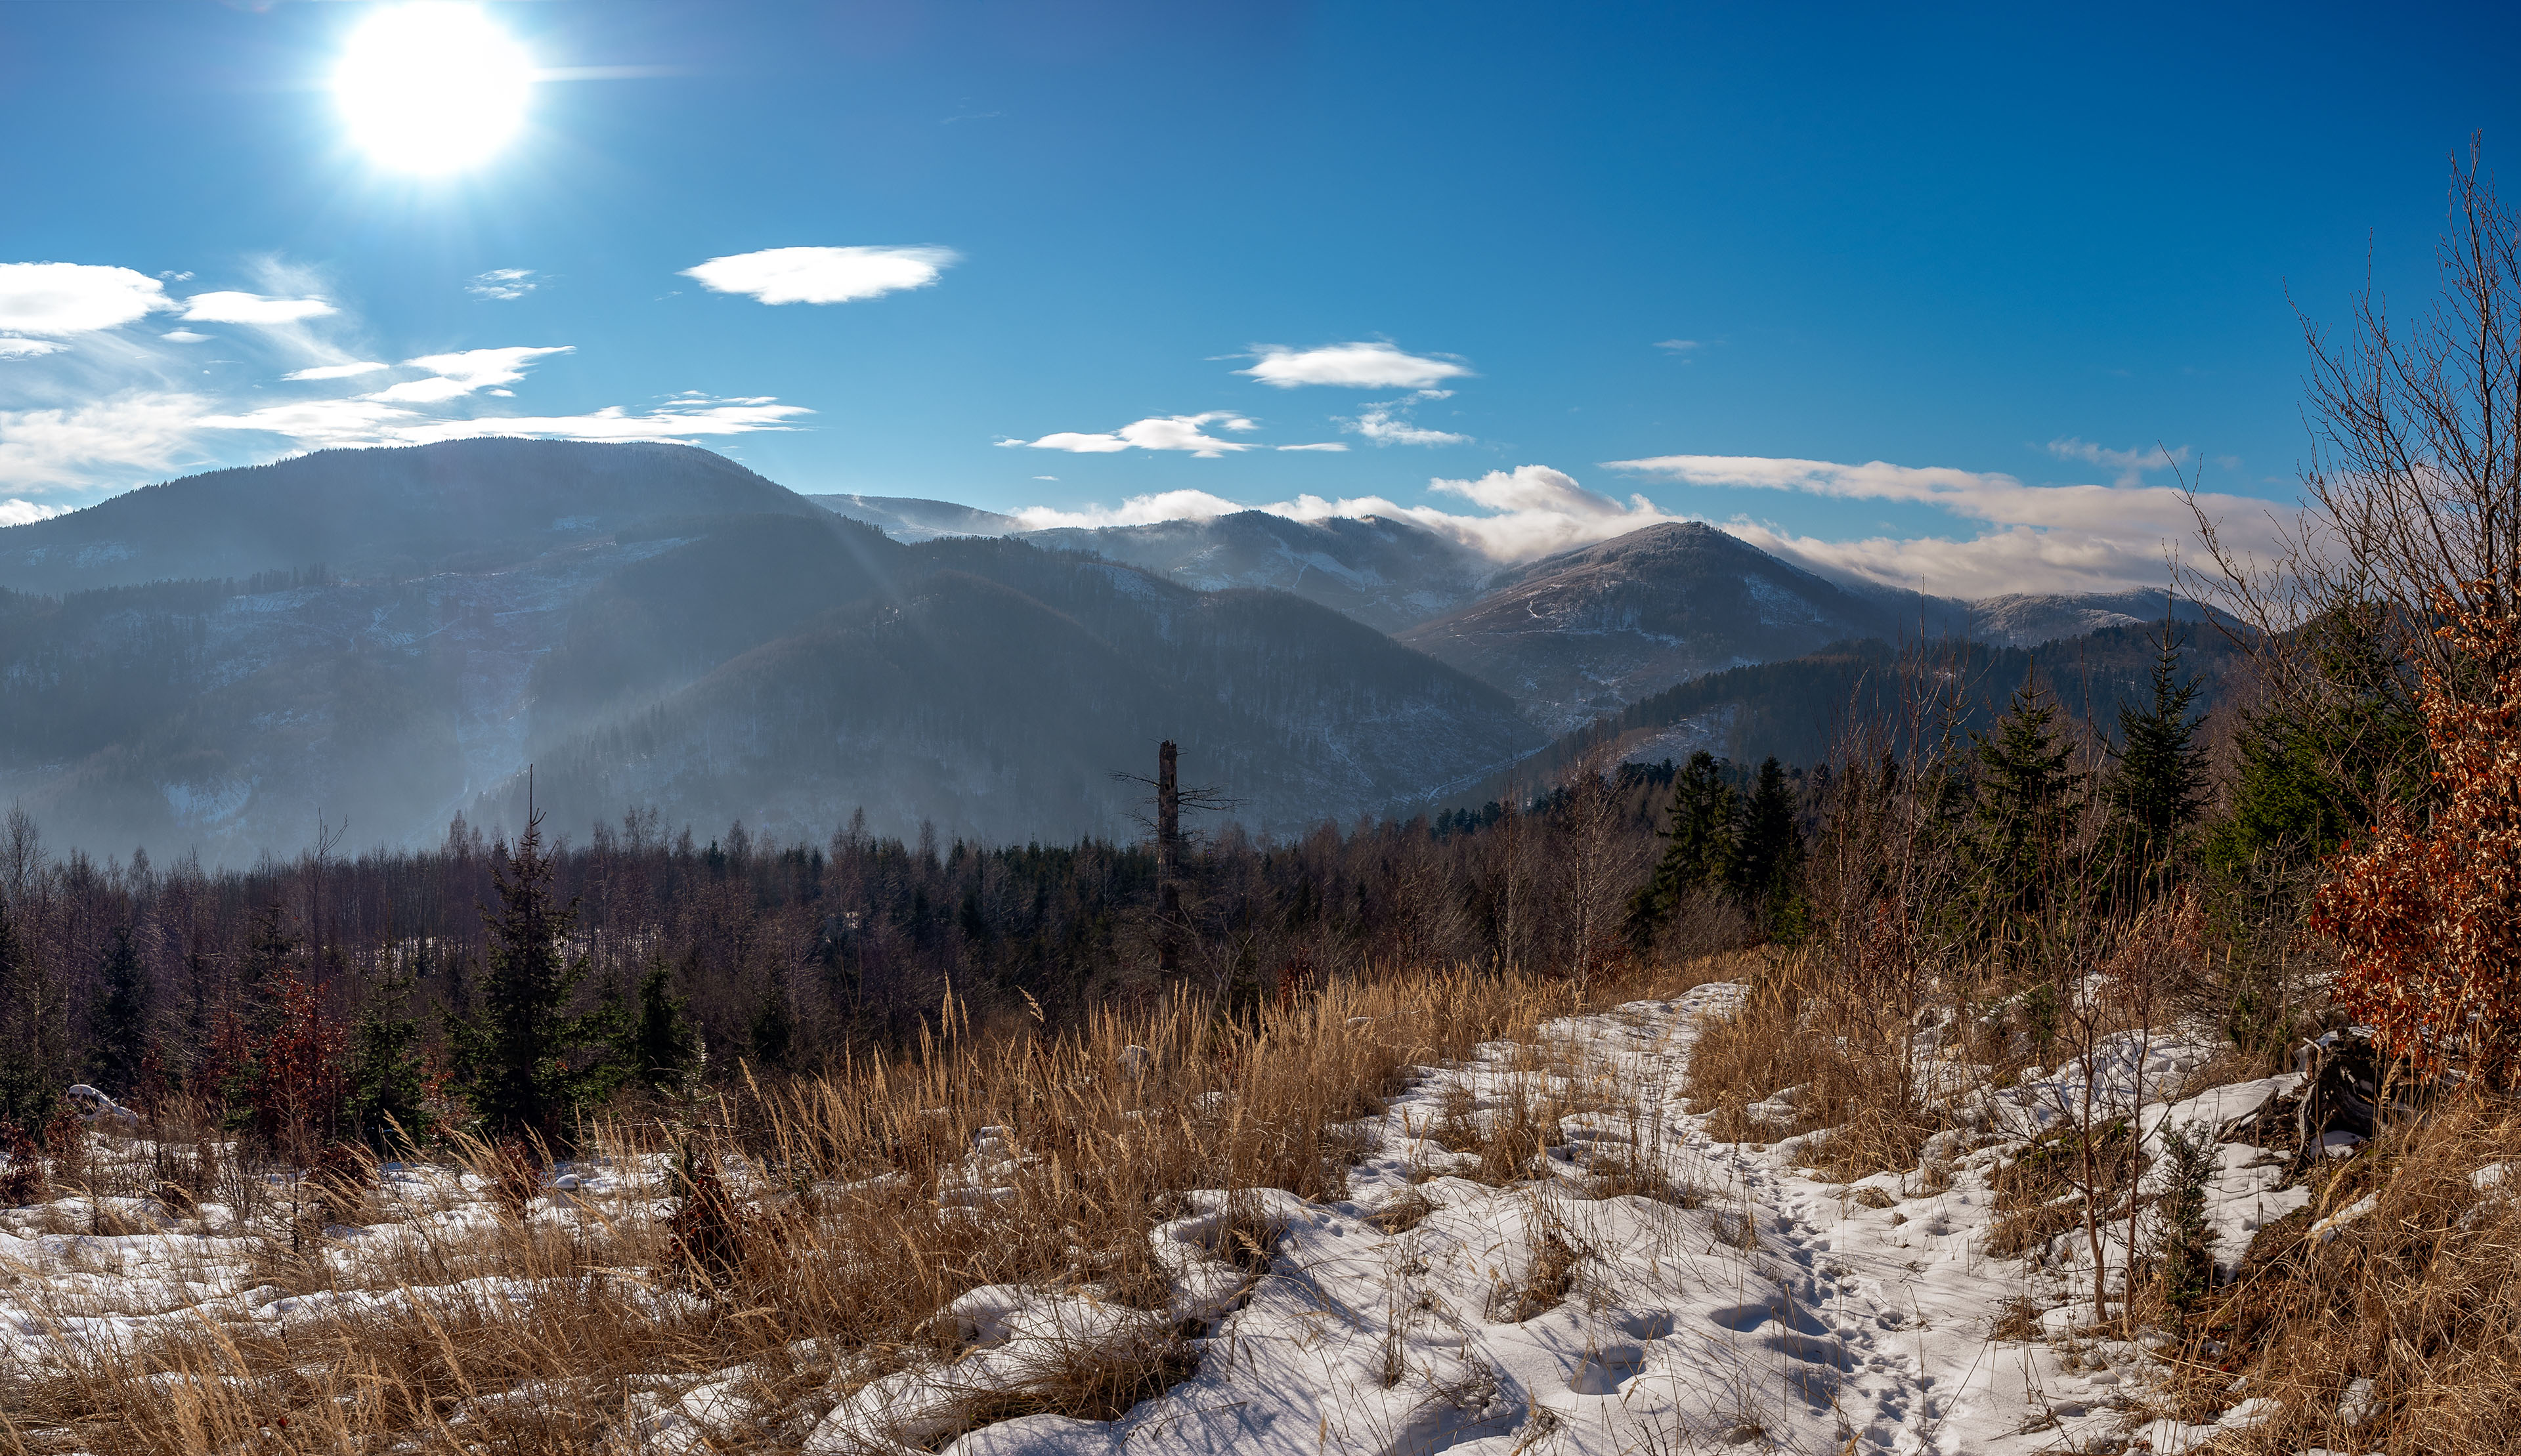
1750 1304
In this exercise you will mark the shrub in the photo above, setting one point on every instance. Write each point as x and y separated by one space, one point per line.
2426 912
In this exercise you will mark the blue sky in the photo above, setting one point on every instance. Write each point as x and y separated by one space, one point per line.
1911 296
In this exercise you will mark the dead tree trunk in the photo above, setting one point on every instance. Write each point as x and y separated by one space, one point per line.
1168 861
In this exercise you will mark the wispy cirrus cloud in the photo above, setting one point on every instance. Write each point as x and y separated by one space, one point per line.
2131 465
351 370
465 371
504 285
823 275
1372 365
230 307
1389 424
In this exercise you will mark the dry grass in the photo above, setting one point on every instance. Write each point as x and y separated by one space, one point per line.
1849 1072
1546 1277
2420 1297
2038 1196
507 1323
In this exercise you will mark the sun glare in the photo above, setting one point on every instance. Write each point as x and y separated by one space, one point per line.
431 87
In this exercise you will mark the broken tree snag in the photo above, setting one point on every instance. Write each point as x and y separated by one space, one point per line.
1168 860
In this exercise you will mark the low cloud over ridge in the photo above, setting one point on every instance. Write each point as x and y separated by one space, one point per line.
2033 538
2043 538
1184 432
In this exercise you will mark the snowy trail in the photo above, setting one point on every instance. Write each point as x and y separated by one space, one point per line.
1765 1311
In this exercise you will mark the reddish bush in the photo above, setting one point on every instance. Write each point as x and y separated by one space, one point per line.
22 1179
288 1087
2426 911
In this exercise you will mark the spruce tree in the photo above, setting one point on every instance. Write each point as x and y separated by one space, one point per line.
1697 845
118 1019
389 1079
1769 850
663 1048
532 1061
2160 783
774 1025
2027 797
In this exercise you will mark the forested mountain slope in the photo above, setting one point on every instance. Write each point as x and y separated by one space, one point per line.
1589 632
1388 574
1803 709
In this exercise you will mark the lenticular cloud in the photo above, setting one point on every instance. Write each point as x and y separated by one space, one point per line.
1357 365
823 275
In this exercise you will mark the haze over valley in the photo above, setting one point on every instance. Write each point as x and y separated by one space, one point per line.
390 637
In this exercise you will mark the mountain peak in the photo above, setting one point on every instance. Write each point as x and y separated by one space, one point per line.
405 510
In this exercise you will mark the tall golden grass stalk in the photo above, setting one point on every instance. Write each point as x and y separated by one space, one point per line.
860 1205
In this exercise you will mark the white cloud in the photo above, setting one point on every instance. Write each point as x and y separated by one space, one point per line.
823 275
136 433
337 370
74 297
319 422
503 284
184 336
370 421
253 308
1156 432
2131 465
1360 366
27 513
1389 423
1679 345
462 373
27 348
1323 446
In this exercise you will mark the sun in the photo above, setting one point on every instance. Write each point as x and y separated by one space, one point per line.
432 87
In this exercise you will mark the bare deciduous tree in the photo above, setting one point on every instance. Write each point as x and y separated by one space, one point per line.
2414 483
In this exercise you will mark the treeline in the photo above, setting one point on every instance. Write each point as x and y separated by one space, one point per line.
152 982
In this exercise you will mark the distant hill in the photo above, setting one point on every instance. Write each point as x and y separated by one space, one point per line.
463 505
1388 574
1800 709
782 666
1585 632
908 518
2026 620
